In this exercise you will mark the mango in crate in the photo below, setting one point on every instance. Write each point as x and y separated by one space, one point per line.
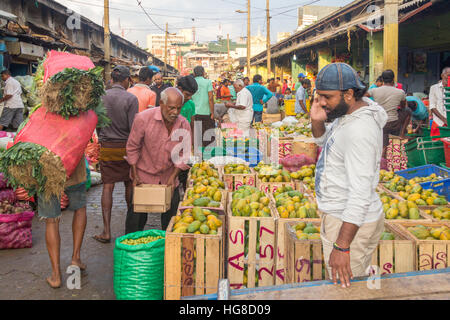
430 233
307 231
395 209
203 196
387 236
197 221
441 213
236 169
293 204
248 201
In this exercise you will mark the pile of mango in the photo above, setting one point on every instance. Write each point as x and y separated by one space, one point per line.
206 174
281 190
143 240
298 130
395 209
423 197
202 196
307 231
250 202
197 221
307 175
269 173
428 233
440 213
391 177
236 169
302 116
292 204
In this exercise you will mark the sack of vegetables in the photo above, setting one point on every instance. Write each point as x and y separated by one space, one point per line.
51 142
139 266
15 225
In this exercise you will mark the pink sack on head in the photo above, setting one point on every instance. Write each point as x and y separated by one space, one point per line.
57 61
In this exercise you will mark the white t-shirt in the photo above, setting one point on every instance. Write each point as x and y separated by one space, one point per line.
245 117
300 96
13 88
437 102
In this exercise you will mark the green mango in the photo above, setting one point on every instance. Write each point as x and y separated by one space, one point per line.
414 214
387 236
198 214
194 226
204 229
310 229
214 204
311 213
440 201
201 202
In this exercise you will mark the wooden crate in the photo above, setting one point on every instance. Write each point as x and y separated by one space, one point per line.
190 181
304 258
263 261
390 256
193 263
303 188
395 256
280 269
431 254
430 216
270 118
235 180
223 202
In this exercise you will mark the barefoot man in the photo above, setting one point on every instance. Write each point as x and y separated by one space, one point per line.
75 189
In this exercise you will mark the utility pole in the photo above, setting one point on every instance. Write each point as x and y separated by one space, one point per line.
228 47
248 38
107 41
390 36
269 70
165 48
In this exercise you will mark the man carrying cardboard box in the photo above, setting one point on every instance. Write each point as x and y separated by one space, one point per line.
158 149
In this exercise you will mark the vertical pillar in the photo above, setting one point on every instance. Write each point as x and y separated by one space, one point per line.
375 55
390 38
324 57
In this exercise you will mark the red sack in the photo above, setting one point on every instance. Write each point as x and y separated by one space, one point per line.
15 230
66 138
57 61
295 162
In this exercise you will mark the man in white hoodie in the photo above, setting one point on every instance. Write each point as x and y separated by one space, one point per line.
347 171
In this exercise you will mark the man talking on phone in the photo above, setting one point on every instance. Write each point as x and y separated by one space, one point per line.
347 171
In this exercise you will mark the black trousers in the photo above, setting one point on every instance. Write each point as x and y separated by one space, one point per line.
136 221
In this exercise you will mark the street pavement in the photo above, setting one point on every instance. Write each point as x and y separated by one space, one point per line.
23 271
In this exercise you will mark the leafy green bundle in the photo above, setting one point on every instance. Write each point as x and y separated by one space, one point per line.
72 91
33 167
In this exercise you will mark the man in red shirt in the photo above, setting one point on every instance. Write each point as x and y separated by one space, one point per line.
153 154
142 91
225 93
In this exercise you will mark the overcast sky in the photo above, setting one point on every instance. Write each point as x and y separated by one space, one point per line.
210 17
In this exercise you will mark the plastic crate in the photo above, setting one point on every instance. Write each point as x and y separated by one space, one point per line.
440 187
424 171
442 165
447 151
423 151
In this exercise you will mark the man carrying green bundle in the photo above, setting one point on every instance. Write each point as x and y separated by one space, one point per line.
121 107
50 210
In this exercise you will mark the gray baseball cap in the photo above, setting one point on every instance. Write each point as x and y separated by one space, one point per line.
122 71
338 76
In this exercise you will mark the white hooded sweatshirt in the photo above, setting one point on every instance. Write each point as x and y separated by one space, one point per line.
347 172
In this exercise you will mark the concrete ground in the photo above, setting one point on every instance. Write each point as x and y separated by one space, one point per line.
23 271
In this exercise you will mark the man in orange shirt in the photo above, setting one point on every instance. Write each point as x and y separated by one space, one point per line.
225 93
146 97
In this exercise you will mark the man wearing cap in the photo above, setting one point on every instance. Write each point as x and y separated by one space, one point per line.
347 171
121 107
142 91
300 77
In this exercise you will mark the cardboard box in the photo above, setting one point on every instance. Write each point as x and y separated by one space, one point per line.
152 198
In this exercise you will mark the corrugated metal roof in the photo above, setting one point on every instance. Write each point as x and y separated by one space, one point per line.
8 16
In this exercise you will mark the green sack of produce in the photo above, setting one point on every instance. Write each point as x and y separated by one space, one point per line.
139 266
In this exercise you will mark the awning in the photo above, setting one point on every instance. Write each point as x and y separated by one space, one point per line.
8 16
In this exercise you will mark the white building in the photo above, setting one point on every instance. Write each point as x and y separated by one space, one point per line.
308 15
156 43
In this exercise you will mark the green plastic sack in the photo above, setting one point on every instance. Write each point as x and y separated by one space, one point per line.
139 269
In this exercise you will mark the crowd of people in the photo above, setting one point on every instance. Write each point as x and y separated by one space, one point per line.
137 147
